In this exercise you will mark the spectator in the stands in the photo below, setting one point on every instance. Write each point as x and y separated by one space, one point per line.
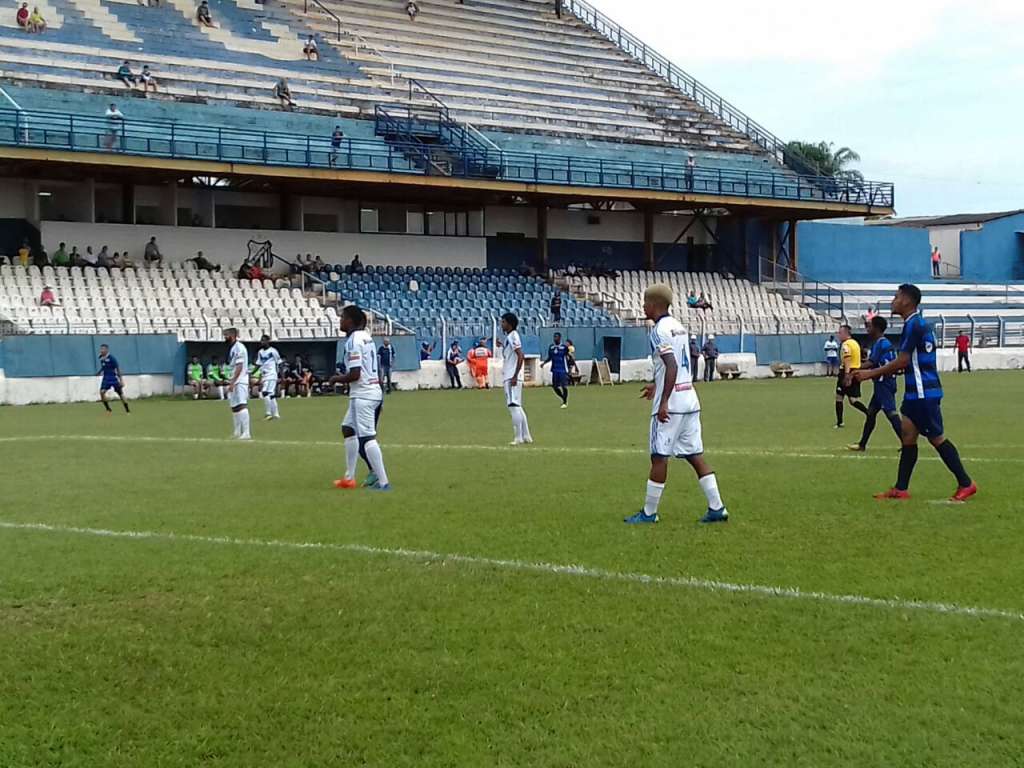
202 263
311 50
710 357
36 22
284 94
691 299
412 9
87 259
60 257
115 123
317 264
121 261
336 138
356 266
125 75
691 166
203 14
47 298
556 307
74 257
24 253
558 8
103 258
146 80
936 262
152 256
414 285
702 302
40 258
526 269
22 16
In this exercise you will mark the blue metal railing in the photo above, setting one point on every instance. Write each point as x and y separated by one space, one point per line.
170 139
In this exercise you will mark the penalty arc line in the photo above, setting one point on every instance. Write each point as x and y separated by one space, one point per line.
538 449
553 569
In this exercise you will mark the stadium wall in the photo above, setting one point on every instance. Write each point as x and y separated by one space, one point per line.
995 252
848 253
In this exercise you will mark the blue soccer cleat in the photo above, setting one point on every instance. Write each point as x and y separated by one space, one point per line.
370 481
641 518
715 516
380 487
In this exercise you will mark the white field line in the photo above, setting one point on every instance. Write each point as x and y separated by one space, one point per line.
551 569
879 455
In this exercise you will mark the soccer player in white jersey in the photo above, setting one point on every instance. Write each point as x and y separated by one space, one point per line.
512 375
675 416
238 384
267 358
365 398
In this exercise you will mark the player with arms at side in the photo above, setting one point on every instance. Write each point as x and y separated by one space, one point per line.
675 417
512 375
238 384
558 356
365 397
922 398
884 398
112 378
268 359
847 385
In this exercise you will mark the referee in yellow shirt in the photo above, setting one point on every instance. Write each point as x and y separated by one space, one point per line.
847 386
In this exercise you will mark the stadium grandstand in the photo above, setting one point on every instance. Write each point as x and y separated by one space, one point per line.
480 156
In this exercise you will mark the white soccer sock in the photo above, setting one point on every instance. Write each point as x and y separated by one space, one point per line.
268 405
274 410
351 457
223 392
236 420
376 459
654 491
517 422
525 429
244 422
709 484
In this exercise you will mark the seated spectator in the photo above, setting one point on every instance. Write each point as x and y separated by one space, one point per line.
412 9
196 379
103 258
22 16
356 267
245 271
74 257
121 261
88 259
302 376
203 14
48 298
60 257
152 256
125 75
702 302
414 286
691 300
317 265
24 253
203 263
40 258
36 22
256 273
311 50
146 80
572 270
284 94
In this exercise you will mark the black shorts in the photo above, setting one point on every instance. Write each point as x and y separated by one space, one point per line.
852 391
925 414
106 386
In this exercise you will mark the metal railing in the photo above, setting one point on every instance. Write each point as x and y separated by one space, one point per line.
171 139
813 294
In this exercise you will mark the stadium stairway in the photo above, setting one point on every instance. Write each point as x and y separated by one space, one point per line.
469 301
195 305
737 305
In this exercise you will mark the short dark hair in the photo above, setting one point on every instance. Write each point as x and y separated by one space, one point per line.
912 292
355 314
879 323
557 334
511 319
104 346
847 328
264 337
231 331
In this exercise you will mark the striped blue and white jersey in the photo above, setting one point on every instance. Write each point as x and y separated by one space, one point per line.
922 375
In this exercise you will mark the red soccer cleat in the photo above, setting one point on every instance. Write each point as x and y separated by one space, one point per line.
344 484
963 494
893 493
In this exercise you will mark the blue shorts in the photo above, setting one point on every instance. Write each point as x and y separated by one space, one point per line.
559 379
925 414
111 384
883 400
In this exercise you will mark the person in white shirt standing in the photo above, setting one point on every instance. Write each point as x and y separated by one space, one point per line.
675 415
512 376
238 384
365 398
268 359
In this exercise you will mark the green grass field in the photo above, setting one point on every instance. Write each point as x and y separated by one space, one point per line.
494 610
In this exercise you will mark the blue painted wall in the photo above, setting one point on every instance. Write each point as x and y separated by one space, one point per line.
42 356
994 253
851 253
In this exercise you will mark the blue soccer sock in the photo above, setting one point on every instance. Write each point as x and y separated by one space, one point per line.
951 458
908 459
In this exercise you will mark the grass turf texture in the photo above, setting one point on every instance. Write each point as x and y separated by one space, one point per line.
185 652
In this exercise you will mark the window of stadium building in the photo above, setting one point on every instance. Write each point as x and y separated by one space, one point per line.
418 220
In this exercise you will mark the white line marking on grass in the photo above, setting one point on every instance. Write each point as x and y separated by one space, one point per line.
839 453
553 569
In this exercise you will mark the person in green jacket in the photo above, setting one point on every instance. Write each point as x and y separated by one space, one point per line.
195 379
61 258
215 375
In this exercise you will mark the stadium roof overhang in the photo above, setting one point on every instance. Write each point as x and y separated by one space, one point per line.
57 164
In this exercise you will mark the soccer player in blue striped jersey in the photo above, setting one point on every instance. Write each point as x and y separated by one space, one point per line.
558 356
922 400
110 370
882 352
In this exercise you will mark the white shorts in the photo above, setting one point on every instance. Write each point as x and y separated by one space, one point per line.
361 417
240 394
680 436
268 387
514 394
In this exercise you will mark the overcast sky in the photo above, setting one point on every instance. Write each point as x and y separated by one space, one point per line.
931 94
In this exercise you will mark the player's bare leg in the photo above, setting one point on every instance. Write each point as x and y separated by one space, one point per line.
103 399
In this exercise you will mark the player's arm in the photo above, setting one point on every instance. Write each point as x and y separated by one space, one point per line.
353 370
120 378
889 369
520 359
671 370
548 360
